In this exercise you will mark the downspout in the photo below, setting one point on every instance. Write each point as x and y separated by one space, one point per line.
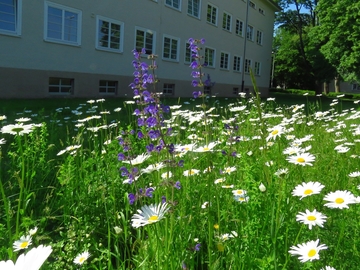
245 39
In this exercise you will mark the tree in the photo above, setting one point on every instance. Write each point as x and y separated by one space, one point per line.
339 33
298 60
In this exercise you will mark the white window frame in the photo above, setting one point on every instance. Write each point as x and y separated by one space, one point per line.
259 37
252 4
250 32
237 63
192 9
208 49
212 7
168 89
17 20
247 65
107 87
224 60
239 30
172 4
262 11
257 68
172 39
153 39
98 28
226 24
60 86
64 9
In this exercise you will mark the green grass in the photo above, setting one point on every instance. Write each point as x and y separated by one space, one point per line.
77 199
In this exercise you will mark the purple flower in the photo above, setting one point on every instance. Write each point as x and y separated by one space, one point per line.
196 94
121 157
132 198
154 134
195 74
150 147
149 192
177 185
140 135
163 199
141 122
197 247
202 41
194 83
151 122
181 163
124 171
194 64
143 51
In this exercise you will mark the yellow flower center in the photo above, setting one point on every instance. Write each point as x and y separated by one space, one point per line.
300 160
274 132
312 253
308 192
311 218
206 149
81 260
24 244
241 199
17 130
153 218
239 192
339 200
216 226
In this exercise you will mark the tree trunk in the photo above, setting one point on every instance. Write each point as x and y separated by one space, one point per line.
337 84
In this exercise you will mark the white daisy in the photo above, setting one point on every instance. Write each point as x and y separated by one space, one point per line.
191 172
23 243
229 170
149 214
206 148
17 129
354 174
219 180
241 199
339 199
275 132
138 160
166 175
33 259
302 159
281 172
81 258
311 218
239 192
307 189
307 251
328 268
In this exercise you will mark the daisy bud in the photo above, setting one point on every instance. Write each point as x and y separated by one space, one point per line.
262 187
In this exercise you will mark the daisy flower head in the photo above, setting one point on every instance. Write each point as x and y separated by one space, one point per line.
17 129
241 199
354 174
302 159
206 148
339 199
81 258
311 218
307 251
138 160
275 132
191 172
23 243
219 180
307 189
328 268
281 172
229 170
239 192
149 214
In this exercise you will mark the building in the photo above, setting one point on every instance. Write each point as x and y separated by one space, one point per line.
83 48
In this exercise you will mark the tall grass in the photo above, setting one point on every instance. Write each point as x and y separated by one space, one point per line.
79 202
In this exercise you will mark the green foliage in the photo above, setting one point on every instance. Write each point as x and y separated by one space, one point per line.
339 33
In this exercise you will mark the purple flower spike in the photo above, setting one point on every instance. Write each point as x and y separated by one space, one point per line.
132 198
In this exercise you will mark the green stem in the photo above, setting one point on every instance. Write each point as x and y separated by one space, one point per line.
21 185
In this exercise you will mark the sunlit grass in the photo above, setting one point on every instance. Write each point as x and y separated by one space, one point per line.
229 187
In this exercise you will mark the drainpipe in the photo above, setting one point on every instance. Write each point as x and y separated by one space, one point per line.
245 39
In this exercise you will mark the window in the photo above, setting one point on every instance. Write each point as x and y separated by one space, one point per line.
10 17
61 85
62 24
259 37
261 11
252 4
207 90
210 57
235 91
109 34
257 68
226 22
250 33
239 28
211 14
355 87
247 65
145 38
171 48
194 8
108 87
224 60
173 3
237 64
169 89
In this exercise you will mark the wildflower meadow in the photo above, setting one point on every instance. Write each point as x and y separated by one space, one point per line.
247 185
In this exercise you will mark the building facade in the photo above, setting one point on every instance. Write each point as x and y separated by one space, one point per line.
84 48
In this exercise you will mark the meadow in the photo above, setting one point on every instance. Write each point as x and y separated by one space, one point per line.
241 184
